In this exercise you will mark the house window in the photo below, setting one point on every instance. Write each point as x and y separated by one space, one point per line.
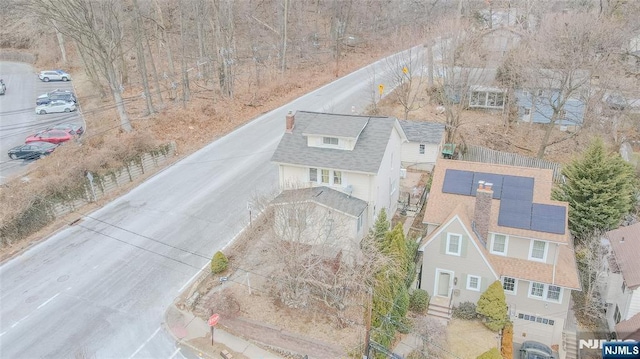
624 286
392 187
617 316
330 141
337 177
553 293
499 244
509 285
491 99
499 99
538 250
562 114
536 290
313 174
453 244
325 176
359 225
473 283
527 111
540 92
422 149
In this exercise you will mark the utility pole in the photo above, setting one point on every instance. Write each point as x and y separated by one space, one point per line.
284 35
367 337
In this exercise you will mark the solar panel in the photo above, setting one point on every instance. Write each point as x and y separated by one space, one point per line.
458 182
492 178
548 218
515 213
516 187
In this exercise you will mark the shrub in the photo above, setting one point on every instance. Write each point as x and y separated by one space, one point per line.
507 341
419 301
492 306
492 353
219 263
466 311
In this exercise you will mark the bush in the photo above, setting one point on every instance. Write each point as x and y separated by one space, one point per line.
466 311
492 353
492 306
419 301
219 263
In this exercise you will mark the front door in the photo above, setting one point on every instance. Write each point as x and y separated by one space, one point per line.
444 279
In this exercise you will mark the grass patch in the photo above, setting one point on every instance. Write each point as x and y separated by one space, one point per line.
469 338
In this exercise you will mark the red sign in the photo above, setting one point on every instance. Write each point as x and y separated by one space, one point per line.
214 319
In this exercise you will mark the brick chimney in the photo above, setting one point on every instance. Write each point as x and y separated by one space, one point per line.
291 122
482 211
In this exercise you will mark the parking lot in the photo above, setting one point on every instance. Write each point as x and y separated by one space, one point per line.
18 119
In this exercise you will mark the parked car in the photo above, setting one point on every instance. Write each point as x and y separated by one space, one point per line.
57 94
3 87
55 106
70 128
53 136
32 150
535 350
54 75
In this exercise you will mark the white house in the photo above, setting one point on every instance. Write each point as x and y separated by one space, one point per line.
622 285
424 144
358 156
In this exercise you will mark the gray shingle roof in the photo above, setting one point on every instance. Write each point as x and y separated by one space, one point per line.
324 196
423 132
366 156
337 126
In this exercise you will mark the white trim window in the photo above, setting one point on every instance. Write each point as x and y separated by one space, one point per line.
324 176
538 251
536 290
331 141
392 187
499 244
510 285
454 244
359 225
313 174
474 282
546 292
421 148
337 177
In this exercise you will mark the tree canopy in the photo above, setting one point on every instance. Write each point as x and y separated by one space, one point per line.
601 189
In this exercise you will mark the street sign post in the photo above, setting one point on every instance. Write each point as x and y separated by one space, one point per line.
213 320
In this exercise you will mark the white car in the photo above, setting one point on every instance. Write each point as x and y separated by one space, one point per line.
54 75
55 106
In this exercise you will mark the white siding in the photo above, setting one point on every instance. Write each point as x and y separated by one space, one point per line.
388 174
412 158
634 304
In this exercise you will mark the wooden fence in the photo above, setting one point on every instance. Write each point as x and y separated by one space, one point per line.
487 155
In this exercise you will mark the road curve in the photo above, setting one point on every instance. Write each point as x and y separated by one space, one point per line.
102 286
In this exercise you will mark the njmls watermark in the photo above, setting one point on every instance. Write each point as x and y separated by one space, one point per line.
628 349
607 345
599 343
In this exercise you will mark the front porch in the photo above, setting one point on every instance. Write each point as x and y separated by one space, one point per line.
440 307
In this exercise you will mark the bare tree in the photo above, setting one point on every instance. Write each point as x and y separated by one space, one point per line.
560 75
97 34
142 63
433 334
223 26
186 92
340 22
589 304
408 80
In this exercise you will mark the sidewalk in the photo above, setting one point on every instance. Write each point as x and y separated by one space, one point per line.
184 326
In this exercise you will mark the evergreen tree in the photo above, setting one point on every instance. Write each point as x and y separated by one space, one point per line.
600 188
492 305
381 227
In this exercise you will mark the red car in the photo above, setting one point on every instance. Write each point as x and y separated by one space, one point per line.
52 136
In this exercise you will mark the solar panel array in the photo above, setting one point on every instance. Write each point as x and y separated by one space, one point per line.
515 193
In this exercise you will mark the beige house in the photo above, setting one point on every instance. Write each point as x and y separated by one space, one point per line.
491 222
621 291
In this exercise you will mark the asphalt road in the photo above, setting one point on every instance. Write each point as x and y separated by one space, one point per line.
102 286
17 112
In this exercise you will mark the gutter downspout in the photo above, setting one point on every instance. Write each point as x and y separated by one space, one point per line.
555 262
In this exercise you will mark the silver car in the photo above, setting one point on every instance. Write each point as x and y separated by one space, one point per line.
54 75
56 106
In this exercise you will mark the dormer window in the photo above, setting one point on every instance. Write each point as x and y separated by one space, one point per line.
333 141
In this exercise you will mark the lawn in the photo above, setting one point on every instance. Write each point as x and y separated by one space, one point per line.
468 339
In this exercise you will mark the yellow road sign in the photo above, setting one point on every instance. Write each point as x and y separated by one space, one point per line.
381 88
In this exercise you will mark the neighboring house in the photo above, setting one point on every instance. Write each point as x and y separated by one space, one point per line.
622 283
490 222
535 105
479 86
424 144
358 156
